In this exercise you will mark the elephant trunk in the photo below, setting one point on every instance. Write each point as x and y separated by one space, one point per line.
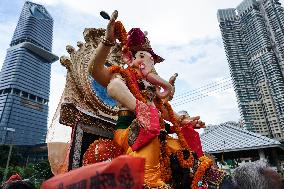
160 82
151 75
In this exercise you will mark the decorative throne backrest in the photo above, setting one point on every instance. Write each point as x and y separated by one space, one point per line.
79 90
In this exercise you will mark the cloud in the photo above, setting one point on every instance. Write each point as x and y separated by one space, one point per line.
214 109
185 33
209 66
8 21
167 21
67 31
210 62
57 83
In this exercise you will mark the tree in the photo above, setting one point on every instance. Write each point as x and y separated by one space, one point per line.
36 173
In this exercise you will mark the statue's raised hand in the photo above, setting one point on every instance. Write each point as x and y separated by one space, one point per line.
195 122
110 34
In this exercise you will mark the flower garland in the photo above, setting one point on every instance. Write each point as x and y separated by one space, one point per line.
114 69
166 172
159 103
134 89
121 34
165 159
130 75
176 125
205 163
185 163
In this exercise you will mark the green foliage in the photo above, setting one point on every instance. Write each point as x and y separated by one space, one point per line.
36 173
42 170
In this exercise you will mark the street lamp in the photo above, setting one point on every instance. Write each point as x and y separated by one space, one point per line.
10 152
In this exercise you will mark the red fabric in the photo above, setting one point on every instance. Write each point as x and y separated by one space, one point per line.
137 41
122 172
148 118
192 138
136 37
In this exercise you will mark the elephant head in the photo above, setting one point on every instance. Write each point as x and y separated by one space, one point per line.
144 61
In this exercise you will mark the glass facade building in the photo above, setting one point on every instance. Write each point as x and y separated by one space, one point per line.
25 79
253 37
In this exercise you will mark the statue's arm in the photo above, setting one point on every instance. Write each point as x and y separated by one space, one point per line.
97 65
97 61
184 120
166 115
118 90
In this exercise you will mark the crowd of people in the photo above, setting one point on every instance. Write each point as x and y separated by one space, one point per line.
252 175
16 182
19 185
257 175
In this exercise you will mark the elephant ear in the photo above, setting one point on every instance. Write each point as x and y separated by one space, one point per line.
127 58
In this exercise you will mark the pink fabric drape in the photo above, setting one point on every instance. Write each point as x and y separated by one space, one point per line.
192 138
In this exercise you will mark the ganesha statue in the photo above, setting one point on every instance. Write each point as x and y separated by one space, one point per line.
145 118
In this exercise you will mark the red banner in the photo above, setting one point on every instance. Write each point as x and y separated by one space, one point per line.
124 172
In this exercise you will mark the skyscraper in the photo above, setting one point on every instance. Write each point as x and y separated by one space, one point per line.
253 36
25 78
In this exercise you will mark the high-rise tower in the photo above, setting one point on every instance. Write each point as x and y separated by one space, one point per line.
253 36
25 78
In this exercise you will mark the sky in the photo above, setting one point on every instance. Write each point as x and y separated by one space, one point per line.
185 33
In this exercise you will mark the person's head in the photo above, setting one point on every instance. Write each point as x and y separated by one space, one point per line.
20 184
256 175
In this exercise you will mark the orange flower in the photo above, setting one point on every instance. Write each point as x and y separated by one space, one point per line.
129 75
114 69
121 34
166 172
176 125
205 163
185 163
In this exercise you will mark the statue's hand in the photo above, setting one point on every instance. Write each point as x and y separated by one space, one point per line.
172 82
195 122
110 34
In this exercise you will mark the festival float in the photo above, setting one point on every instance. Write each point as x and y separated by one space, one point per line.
115 110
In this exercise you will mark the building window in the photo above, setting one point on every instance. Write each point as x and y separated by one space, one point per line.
45 101
39 99
25 94
16 92
32 97
7 91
